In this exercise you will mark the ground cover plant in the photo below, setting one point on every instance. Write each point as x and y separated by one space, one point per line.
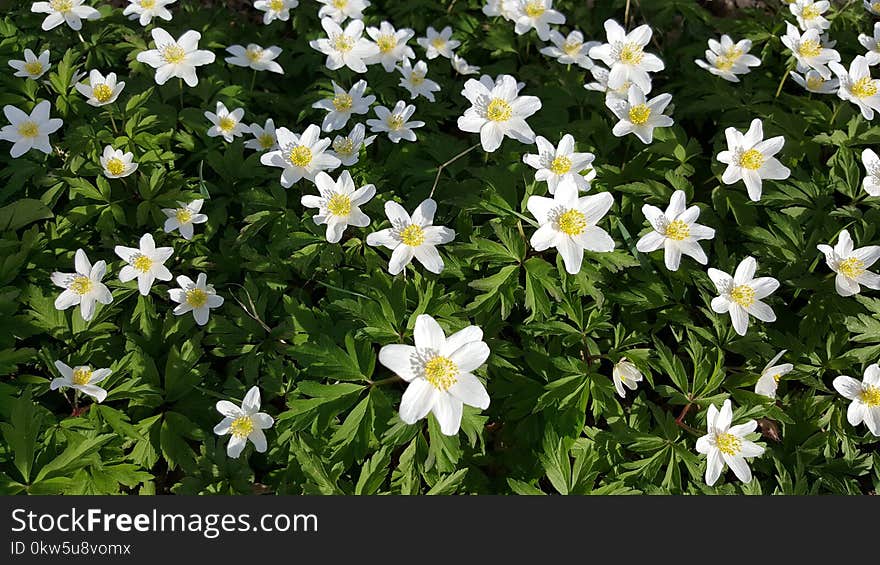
516 247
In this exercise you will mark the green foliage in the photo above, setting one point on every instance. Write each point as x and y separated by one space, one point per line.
304 319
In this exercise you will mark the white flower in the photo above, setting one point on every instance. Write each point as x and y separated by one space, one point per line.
244 423
439 371
198 297
638 115
600 74
676 230
814 82
184 217
275 9
145 10
570 50
741 295
537 14
395 122
146 263
176 58
264 137
865 397
498 112
84 287
339 204
415 82
568 223
501 8
727 59
809 14
727 444
462 67
255 57
60 11
344 104
873 6
851 265
339 10
28 132
347 148
871 183
770 376
750 158
391 45
554 164
226 124
117 164
437 44
345 48
872 44
625 56
301 156
100 90
809 51
414 236
32 67
81 378
625 374
858 87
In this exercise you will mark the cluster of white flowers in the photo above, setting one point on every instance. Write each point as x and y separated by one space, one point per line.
437 368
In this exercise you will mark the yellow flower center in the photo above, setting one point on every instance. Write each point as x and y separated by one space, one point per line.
386 42
870 396
196 297
276 5
173 54
751 160
639 114
744 295
242 426
809 48
226 123
631 54
678 230
102 93
499 110
183 215
851 267
535 8
728 444
438 42
267 141
81 285
340 3
142 263
777 376
339 205
115 166
33 68
572 222
815 82
441 372
254 54
412 235
147 4
810 12
28 129
342 102
301 156
343 146
81 376
395 121
864 87
572 48
61 5
343 43
560 165
417 78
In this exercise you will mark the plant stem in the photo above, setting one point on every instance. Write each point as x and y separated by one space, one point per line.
253 81
446 164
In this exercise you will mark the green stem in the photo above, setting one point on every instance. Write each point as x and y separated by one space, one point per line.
253 81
